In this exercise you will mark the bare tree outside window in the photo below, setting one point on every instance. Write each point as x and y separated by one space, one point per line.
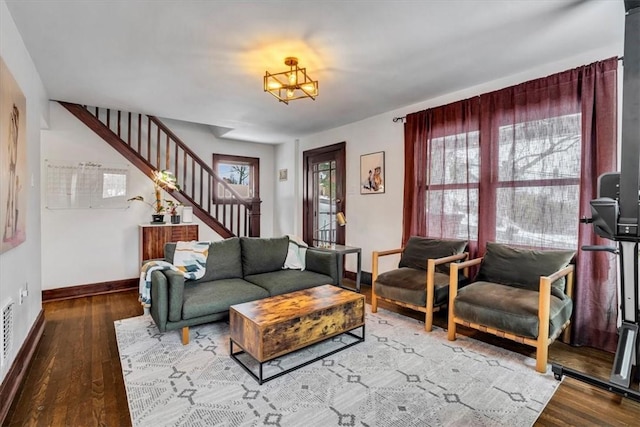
241 175
536 191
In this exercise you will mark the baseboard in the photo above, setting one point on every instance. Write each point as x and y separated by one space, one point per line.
15 375
89 290
365 278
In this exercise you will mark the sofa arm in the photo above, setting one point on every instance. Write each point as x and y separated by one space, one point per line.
176 294
159 299
167 294
323 262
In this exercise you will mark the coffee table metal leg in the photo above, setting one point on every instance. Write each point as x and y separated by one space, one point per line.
260 379
359 270
245 367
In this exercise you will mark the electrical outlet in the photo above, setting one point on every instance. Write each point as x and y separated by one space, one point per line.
20 294
24 292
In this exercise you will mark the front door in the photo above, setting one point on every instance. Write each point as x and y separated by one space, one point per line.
324 188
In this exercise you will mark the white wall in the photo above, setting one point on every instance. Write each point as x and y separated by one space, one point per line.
85 246
286 213
375 220
21 265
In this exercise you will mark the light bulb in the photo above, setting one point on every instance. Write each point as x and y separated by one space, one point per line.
310 88
293 78
290 93
274 85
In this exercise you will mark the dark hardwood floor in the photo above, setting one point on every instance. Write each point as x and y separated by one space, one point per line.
75 378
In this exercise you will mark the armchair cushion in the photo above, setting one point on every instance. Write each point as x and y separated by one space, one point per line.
509 308
522 268
419 249
408 285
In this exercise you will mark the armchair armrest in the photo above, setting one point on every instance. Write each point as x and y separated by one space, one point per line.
431 270
453 277
450 258
467 264
568 272
374 261
544 300
388 252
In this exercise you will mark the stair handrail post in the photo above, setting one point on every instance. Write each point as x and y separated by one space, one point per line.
254 218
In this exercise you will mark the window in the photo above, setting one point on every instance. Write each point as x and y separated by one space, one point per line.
538 183
452 186
241 174
536 192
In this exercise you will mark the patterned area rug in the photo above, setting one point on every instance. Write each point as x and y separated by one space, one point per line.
400 376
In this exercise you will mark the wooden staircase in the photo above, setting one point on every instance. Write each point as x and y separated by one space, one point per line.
149 145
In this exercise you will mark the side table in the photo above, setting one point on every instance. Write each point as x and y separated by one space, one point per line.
340 251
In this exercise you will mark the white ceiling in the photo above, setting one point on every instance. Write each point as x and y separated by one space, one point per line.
203 61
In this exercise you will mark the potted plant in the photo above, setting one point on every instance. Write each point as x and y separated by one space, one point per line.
161 180
172 209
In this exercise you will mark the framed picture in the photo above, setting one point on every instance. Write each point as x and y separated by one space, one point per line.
14 183
372 173
283 174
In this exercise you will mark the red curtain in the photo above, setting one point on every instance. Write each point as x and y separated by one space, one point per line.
445 138
537 149
595 302
416 135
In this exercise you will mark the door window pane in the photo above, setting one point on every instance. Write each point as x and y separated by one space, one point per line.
324 231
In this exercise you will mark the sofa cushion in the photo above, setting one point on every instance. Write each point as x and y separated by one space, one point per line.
409 285
419 249
509 308
215 297
261 255
223 261
522 268
283 281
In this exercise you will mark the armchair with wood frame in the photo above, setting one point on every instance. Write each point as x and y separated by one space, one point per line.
519 294
421 281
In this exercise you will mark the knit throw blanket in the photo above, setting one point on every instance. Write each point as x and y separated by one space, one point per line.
190 258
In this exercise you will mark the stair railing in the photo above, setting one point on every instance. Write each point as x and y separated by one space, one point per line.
150 145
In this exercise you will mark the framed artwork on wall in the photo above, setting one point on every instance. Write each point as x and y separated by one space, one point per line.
13 161
372 173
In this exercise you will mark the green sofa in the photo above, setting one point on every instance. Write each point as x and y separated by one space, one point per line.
238 270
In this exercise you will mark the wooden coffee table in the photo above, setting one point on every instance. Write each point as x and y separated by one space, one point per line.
275 326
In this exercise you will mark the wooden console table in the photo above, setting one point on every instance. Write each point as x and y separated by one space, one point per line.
153 237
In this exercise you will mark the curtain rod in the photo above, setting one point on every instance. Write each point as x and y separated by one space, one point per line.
402 119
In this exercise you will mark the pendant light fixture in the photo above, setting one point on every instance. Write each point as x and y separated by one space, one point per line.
291 84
